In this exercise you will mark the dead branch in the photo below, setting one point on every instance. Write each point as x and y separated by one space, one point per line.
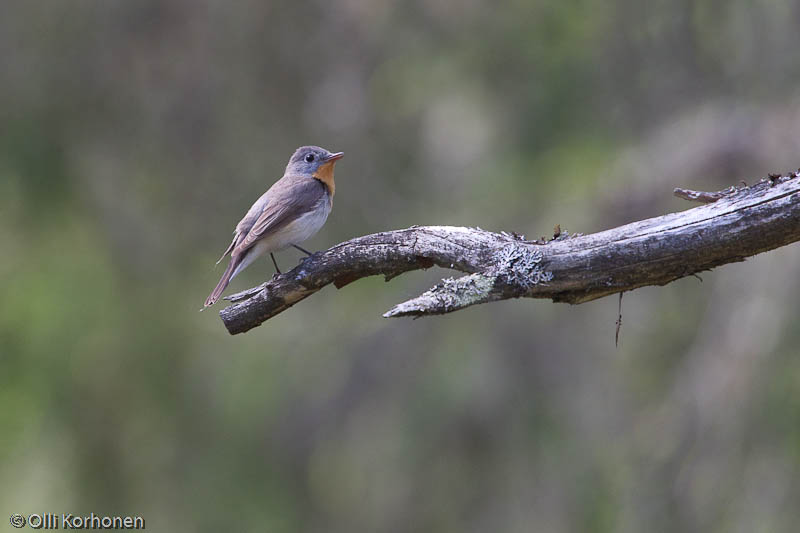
740 222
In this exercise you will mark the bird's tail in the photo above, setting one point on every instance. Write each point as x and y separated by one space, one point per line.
223 282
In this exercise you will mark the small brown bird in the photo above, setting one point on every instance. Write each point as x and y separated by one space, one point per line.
291 211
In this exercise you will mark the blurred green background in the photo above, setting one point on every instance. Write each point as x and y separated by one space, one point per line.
134 136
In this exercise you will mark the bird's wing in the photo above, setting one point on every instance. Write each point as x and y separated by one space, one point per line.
230 248
285 201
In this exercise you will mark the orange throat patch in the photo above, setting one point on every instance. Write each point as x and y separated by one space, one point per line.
325 174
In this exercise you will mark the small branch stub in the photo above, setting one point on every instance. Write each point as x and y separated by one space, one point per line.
701 196
449 295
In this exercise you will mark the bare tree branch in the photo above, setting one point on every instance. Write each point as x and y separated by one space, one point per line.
740 222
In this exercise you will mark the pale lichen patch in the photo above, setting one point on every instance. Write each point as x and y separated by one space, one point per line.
448 295
521 266
452 293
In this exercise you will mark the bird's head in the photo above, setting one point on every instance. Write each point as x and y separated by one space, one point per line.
315 162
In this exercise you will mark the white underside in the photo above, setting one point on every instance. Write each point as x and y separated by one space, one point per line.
297 231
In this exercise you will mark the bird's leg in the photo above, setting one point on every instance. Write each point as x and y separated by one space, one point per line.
302 250
278 270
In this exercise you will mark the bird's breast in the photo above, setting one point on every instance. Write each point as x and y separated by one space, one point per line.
303 227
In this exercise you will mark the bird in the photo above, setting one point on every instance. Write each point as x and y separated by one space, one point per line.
291 211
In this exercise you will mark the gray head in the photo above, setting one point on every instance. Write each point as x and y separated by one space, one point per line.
307 160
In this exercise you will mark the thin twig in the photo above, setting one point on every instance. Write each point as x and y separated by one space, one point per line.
619 321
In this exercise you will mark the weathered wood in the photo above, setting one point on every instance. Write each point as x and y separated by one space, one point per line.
740 223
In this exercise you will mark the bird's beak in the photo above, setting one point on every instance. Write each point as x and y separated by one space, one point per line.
336 156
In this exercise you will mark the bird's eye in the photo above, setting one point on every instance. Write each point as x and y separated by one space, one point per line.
309 158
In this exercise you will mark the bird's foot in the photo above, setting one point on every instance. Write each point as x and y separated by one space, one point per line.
310 257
